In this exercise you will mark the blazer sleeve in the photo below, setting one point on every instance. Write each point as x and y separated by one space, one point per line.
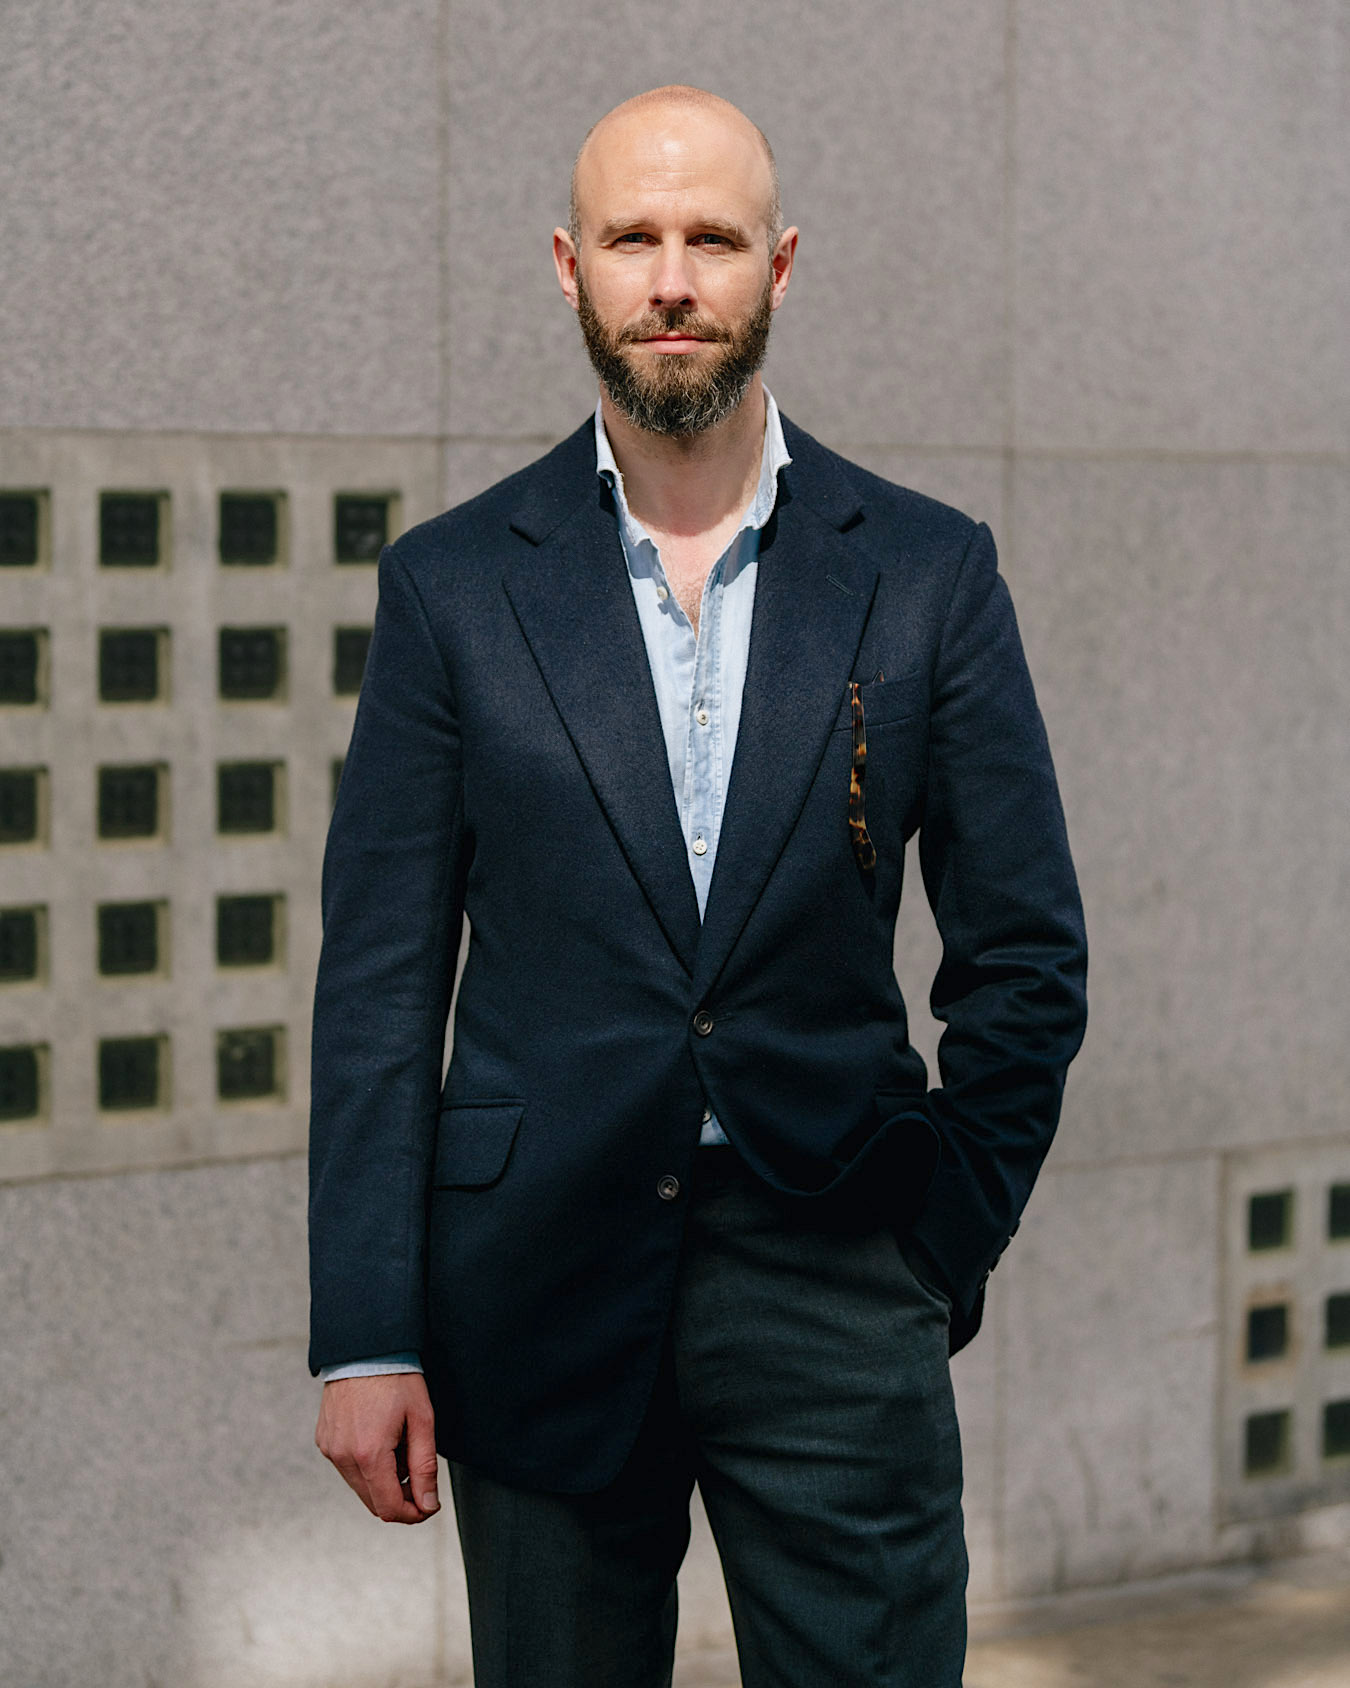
393 889
1011 987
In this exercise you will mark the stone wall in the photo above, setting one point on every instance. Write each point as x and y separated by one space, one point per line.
1078 268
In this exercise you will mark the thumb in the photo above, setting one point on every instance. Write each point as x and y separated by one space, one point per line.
422 1461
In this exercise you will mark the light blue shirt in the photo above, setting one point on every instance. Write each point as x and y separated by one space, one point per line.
699 681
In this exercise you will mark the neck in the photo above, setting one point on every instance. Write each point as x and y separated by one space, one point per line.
689 486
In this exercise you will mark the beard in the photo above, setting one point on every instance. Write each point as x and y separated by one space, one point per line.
673 393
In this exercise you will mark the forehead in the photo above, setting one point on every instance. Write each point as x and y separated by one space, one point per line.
673 162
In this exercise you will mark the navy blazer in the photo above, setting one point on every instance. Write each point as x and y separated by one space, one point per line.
507 765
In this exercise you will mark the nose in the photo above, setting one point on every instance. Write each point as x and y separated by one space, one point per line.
672 282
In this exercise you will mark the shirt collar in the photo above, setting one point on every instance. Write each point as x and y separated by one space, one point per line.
775 456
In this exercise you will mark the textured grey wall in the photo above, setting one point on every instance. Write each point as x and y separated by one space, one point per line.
1079 268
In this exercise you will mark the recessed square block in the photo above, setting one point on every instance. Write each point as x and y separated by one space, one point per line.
252 662
20 529
20 944
248 1064
128 802
246 931
20 666
350 645
20 1083
1267 1332
360 527
129 664
249 528
1182 242
128 939
891 157
21 793
130 1073
246 797
131 529
1267 1443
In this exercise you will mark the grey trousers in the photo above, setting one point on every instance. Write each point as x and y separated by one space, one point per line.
805 1389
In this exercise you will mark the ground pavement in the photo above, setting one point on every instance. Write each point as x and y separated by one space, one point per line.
1287 1626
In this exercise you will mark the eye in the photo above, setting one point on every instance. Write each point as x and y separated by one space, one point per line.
633 238
711 240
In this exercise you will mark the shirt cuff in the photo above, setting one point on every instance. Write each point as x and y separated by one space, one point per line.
381 1365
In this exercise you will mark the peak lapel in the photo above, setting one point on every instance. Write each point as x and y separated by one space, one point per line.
575 607
812 597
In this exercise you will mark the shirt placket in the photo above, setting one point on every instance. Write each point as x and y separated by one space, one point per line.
703 761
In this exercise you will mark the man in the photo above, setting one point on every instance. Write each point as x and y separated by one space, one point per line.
658 716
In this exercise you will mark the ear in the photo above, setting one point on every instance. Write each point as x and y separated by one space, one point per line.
565 262
784 255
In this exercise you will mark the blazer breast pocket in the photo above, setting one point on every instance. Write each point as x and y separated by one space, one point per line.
473 1143
885 701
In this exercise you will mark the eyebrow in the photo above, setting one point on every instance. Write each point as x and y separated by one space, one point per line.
704 225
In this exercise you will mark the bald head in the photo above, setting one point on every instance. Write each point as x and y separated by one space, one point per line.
668 134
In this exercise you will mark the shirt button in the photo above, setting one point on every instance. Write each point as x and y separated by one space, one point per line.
707 1115
667 1188
703 1022
700 846
661 594
701 716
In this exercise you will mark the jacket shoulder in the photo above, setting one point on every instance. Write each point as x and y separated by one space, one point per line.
890 516
522 507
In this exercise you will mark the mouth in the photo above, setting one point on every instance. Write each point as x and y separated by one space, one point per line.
672 342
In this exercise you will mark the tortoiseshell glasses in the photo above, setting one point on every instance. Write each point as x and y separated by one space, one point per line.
864 850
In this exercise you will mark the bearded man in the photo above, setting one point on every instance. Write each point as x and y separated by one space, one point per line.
657 716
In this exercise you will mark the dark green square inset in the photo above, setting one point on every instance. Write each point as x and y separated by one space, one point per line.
1267 1332
18 944
245 931
1335 1429
246 1064
1338 1321
129 524
252 662
350 645
19 667
1338 1212
128 802
360 527
248 528
128 665
128 1073
18 805
20 1086
128 939
1270 1220
19 530
246 797
1266 1442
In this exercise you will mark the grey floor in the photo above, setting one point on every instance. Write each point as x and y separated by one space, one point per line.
1288 1627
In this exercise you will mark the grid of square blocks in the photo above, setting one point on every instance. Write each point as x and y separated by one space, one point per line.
175 699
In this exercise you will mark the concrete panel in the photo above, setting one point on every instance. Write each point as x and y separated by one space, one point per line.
1111 1292
167 1518
1187 626
1183 224
221 218
887 121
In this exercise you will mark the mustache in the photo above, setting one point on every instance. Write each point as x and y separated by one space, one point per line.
674 322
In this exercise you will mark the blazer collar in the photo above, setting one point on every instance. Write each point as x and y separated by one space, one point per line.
572 598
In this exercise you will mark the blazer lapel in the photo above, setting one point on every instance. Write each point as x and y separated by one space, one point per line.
575 607
813 594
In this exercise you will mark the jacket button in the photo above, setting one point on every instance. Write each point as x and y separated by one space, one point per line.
703 1022
667 1188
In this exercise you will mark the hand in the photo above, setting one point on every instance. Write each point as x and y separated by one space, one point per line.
380 1433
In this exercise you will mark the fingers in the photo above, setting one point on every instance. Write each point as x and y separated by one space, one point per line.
377 1431
420 1459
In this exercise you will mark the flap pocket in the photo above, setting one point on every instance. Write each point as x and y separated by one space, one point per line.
886 700
473 1140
